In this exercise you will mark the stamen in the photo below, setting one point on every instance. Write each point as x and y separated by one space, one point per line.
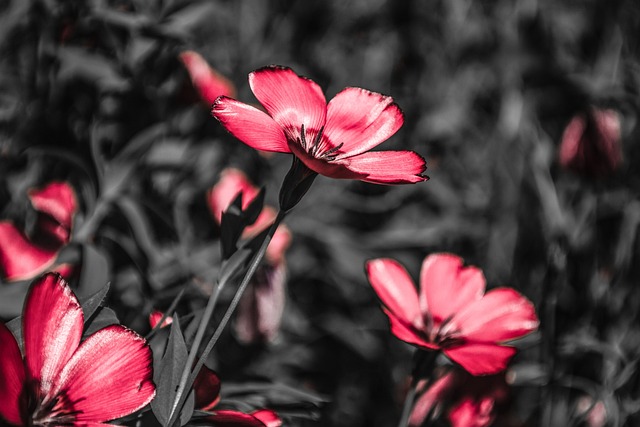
303 138
329 154
316 142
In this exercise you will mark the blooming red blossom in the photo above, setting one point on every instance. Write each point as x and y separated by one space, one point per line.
591 143
62 381
261 307
208 82
331 139
452 312
22 257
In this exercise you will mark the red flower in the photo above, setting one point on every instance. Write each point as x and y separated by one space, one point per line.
452 312
591 143
23 258
469 401
208 82
330 139
61 381
207 396
261 307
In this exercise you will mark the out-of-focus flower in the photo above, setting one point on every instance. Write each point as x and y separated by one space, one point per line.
331 139
591 143
595 412
261 307
62 381
207 396
452 312
22 257
208 82
468 401
156 316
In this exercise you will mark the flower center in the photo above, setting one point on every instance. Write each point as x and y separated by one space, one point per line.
319 147
54 412
445 334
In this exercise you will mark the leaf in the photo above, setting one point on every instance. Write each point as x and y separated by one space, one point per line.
93 302
167 378
94 274
102 318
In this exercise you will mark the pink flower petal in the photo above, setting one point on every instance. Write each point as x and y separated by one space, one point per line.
227 418
21 259
290 99
336 170
395 289
471 413
52 325
481 358
109 376
58 200
207 389
386 167
407 332
209 83
361 120
446 286
268 417
232 182
12 375
501 315
250 125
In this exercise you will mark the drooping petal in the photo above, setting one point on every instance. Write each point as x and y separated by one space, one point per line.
361 120
591 143
432 398
207 389
262 305
12 377
395 289
279 243
481 358
109 376
446 286
268 417
228 418
20 258
472 413
231 183
407 332
250 125
52 325
501 315
208 82
386 167
58 200
290 99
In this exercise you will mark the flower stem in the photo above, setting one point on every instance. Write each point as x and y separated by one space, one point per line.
186 381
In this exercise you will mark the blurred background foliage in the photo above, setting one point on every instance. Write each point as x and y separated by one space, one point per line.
93 92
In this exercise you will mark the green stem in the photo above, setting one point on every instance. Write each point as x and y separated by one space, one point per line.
186 381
